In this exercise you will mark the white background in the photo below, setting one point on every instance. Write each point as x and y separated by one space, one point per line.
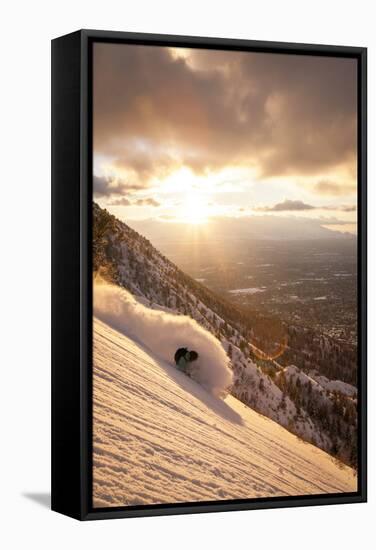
27 28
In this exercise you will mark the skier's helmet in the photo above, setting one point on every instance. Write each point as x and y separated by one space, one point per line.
180 353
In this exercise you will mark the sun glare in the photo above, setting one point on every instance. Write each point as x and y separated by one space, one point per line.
195 210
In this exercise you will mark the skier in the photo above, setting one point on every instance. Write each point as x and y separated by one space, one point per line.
183 357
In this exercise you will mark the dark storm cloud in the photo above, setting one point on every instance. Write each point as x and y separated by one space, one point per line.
296 206
281 114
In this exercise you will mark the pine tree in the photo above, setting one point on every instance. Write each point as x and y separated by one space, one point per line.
229 351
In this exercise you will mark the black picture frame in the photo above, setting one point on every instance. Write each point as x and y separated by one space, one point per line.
72 280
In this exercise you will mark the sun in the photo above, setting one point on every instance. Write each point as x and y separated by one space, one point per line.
195 209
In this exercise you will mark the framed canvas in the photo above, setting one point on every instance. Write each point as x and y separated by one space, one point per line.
208 274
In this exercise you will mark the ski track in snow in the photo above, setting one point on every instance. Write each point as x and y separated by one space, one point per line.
159 437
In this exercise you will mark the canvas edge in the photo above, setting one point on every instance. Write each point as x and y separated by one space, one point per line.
85 509
65 269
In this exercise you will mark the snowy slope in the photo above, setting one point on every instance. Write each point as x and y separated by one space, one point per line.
126 258
161 438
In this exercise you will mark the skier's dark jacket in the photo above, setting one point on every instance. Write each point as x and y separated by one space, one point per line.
180 353
183 357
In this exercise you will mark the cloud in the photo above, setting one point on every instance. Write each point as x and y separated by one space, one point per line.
279 114
345 208
286 206
297 205
100 186
147 202
123 201
106 186
325 187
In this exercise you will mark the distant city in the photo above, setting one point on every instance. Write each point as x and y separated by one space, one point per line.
310 283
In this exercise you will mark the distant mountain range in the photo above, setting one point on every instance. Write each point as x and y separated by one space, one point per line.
261 227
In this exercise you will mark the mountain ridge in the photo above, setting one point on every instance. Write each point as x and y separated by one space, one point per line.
126 258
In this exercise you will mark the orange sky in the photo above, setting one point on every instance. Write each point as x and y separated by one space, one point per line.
224 134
